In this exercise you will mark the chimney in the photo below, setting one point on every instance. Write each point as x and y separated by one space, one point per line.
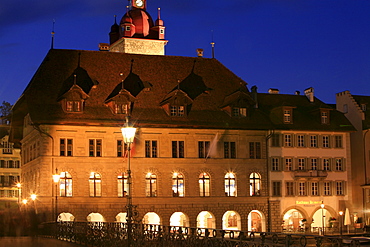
273 91
200 52
254 95
309 94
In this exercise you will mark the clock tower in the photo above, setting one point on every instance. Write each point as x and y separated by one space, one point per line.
139 4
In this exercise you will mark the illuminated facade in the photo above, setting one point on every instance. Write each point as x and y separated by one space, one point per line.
201 156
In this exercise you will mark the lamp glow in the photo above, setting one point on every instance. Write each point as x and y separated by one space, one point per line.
128 134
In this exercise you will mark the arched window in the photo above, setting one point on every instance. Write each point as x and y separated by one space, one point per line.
177 185
254 184
204 184
95 184
65 184
151 185
122 182
230 184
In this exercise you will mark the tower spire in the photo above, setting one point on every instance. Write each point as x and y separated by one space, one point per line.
52 35
213 46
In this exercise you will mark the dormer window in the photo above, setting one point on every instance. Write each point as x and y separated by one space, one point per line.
288 116
324 117
73 105
239 112
120 108
177 111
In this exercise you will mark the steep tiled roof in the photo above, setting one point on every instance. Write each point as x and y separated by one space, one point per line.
205 80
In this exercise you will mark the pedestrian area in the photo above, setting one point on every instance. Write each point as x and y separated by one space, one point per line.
34 242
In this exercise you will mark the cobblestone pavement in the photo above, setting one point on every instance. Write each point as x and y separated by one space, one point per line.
33 242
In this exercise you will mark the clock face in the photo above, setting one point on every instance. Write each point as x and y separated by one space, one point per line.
139 3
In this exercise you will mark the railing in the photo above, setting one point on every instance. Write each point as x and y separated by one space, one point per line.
115 234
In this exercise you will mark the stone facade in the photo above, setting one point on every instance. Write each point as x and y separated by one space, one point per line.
139 46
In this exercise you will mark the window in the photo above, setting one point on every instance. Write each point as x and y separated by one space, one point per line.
122 185
95 184
325 141
324 117
73 106
338 142
288 140
177 149
65 184
177 185
66 147
229 150
95 147
204 184
288 164
289 188
128 28
314 188
230 184
177 111
301 164
276 188
120 108
275 164
121 148
339 164
203 149
339 188
239 112
7 147
301 188
314 164
313 141
254 184
326 164
327 189
151 148
151 185
288 116
232 220
345 108
363 107
255 150
275 140
300 141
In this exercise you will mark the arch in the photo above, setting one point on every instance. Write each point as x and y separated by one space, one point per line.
121 217
256 221
321 218
179 219
292 220
231 221
151 218
206 219
254 184
65 217
230 184
95 217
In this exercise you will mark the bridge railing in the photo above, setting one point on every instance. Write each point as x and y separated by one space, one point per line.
115 234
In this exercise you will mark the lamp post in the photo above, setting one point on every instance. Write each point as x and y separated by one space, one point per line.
56 178
128 134
341 222
322 218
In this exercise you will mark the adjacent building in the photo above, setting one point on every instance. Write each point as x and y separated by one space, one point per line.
356 109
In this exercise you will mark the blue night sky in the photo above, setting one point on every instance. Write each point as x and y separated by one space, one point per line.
286 44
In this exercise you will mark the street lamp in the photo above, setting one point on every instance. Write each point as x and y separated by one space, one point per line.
323 221
341 222
56 178
128 134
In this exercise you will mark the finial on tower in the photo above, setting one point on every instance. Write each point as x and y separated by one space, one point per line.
213 46
52 35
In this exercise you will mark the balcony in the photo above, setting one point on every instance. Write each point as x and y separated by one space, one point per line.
310 173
